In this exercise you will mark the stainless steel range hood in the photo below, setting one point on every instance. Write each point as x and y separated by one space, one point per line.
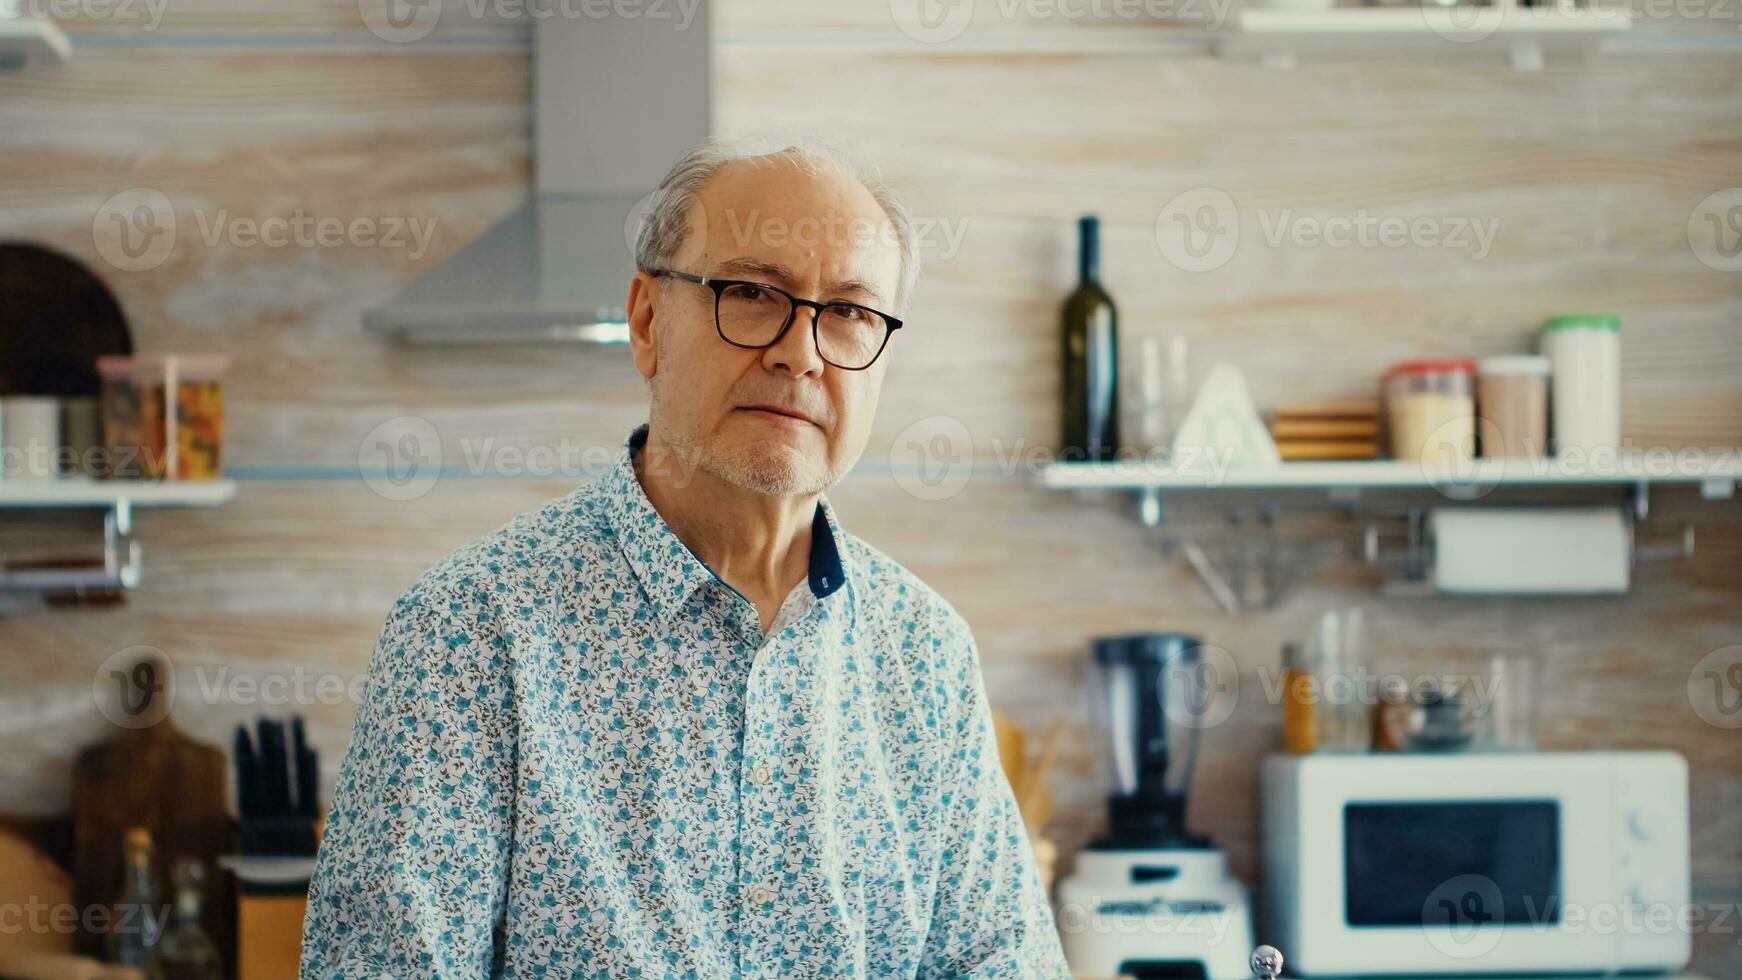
616 100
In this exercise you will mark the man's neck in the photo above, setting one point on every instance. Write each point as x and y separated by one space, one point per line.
758 543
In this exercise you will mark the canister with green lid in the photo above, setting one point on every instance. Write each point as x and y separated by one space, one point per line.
1584 352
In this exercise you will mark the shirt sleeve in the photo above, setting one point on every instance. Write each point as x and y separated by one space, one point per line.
411 878
992 917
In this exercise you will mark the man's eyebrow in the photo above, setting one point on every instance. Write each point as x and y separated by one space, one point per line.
756 267
780 275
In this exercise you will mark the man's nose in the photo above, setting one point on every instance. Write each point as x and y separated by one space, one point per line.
797 349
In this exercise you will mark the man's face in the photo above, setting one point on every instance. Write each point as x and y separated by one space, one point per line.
778 420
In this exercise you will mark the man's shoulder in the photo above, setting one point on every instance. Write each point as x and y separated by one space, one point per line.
517 556
897 597
931 664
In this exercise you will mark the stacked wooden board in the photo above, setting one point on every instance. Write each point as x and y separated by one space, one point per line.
1345 429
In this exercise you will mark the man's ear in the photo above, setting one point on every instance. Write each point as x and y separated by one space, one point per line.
643 298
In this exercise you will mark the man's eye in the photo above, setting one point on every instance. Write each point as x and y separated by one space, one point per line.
750 294
851 314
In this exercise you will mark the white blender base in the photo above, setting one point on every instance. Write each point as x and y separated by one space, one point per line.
1162 906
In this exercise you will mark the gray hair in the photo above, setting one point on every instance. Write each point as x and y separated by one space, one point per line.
665 222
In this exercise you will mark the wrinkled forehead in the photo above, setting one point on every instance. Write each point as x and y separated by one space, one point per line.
776 223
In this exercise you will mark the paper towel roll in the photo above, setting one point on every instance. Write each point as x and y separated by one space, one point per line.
1532 550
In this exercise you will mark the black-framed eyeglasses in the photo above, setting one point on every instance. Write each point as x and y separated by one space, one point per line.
755 315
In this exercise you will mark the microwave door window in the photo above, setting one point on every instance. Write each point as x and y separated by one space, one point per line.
1453 864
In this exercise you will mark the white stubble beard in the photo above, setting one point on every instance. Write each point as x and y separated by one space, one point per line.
774 469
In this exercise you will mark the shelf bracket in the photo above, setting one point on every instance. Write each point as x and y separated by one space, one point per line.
1526 56
1149 507
120 551
1343 496
1213 580
1420 556
121 561
1254 560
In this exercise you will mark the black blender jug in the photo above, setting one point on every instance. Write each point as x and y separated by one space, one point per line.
1148 693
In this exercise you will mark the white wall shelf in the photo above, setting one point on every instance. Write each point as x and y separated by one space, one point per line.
26 39
1715 473
1525 36
80 491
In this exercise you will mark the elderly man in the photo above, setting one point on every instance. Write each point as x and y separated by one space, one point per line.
679 723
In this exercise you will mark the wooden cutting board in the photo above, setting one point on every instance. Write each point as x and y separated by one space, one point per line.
27 875
158 778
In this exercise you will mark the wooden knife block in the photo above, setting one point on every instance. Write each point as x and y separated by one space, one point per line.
269 933
269 924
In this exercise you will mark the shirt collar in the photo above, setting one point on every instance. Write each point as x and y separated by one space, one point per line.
667 570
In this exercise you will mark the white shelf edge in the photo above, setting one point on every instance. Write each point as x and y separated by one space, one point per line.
79 491
1432 21
1647 468
1280 37
28 38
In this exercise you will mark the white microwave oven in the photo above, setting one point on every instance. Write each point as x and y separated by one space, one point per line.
1471 863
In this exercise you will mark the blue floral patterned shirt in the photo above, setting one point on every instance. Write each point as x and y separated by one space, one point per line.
580 756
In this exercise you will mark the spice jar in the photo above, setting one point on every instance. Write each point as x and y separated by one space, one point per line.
1299 696
1432 409
1321 705
1392 715
163 415
1512 396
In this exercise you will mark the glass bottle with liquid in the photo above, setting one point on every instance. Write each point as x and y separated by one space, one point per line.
1091 359
1323 702
186 951
135 924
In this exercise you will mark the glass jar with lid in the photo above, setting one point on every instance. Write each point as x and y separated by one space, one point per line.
1512 396
1431 407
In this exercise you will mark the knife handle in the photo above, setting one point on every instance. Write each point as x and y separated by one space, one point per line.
247 775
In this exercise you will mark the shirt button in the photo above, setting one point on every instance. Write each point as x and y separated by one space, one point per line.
759 775
760 895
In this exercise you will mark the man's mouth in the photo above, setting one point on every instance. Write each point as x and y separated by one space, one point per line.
779 412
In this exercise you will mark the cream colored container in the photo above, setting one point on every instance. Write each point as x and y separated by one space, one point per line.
31 436
1585 403
1512 398
1431 407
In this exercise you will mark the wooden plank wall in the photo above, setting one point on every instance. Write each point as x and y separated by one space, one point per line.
1002 136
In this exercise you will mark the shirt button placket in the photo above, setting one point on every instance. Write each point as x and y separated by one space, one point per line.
762 859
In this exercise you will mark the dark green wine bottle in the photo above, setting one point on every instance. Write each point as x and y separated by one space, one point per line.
1091 359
